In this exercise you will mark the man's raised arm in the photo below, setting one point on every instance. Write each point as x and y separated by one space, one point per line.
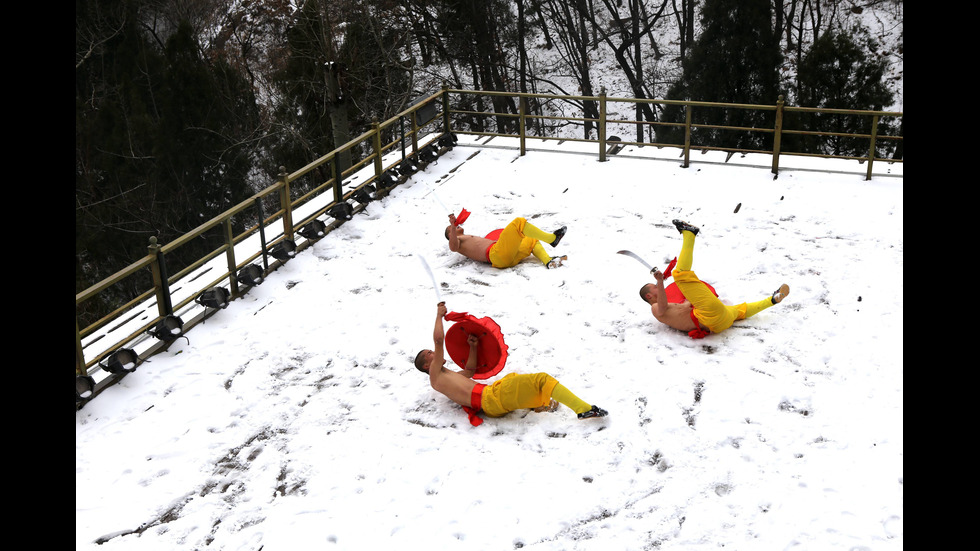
470 368
662 293
438 337
453 238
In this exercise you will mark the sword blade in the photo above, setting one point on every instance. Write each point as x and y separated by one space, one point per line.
638 259
432 278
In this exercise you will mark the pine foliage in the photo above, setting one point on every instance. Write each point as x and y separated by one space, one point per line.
838 73
735 59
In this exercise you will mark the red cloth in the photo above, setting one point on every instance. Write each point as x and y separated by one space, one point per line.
697 333
476 403
675 295
462 216
491 353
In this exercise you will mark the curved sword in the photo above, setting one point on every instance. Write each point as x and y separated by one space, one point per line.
431 277
640 260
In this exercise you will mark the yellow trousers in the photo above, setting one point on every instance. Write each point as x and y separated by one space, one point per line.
527 391
519 239
710 311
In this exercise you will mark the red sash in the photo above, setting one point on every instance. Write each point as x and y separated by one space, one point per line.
697 332
476 402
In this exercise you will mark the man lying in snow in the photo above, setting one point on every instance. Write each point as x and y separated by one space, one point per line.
513 244
701 311
537 391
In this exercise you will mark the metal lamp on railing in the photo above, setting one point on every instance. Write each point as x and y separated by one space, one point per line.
250 275
283 250
448 140
408 167
314 229
215 297
123 360
364 195
168 328
341 211
84 387
428 154
388 180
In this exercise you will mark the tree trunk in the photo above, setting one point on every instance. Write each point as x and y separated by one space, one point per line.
337 111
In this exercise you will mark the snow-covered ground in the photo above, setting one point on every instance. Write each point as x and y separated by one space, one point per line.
294 419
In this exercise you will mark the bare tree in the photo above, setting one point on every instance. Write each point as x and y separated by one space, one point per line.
574 49
624 39
685 23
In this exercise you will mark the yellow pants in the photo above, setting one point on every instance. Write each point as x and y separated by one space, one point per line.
516 242
709 309
527 391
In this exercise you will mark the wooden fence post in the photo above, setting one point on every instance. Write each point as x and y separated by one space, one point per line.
602 124
376 144
871 150
447 128
265 249
338 180
688 108
415 131
777 136
79 353
523 113
286 202
230 256
158 268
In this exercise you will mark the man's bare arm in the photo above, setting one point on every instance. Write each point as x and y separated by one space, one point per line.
438 338
453 238
470 368
661 292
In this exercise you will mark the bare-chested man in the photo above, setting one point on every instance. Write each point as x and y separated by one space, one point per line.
701 310
516 241
537 391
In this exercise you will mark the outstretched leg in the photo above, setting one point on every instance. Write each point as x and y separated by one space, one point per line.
532 391
545 258
576 404
565 397
753 308
538 252
686 259
532 231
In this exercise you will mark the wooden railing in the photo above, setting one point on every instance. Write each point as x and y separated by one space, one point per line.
603 123
270 240
273 234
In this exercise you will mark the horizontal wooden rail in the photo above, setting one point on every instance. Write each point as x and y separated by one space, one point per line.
602 122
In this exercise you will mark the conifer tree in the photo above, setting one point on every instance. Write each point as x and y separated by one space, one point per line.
161 141
735 59
841 71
